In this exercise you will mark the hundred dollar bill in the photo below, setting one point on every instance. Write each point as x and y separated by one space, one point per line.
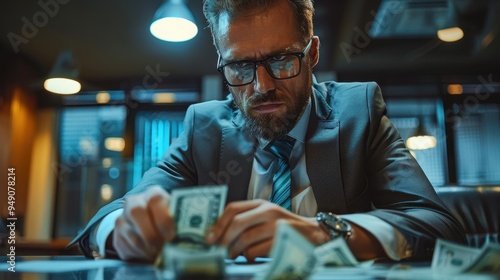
195 210
488 260
292 256
192 263
449 258
335 253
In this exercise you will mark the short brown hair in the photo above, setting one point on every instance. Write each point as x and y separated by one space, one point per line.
213 9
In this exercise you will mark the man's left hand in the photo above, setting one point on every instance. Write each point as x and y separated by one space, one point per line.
248 227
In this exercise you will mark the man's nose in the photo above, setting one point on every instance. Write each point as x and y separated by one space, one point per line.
264 83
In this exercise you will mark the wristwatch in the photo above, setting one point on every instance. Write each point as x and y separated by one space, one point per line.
337 226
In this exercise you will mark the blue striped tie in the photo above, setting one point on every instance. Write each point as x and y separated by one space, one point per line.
282 178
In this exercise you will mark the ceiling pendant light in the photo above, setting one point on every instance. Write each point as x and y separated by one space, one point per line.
421 140
173 22
62 77
450 31
451 34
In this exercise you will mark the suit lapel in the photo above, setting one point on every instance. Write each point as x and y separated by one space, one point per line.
236 159
323 155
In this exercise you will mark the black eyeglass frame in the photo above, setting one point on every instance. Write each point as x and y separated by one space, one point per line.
256 63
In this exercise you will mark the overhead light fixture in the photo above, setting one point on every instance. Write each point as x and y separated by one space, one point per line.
116 144
173 22
455 89
62 77
451 34
102 97
421 140
106 192
164 97
106 162
450 31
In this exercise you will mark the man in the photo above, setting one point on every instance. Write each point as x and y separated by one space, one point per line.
346 156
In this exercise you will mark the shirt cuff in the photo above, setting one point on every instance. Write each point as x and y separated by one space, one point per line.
103 230
393 242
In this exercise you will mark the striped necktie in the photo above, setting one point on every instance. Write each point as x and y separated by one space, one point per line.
282 178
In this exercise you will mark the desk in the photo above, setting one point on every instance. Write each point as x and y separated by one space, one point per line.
79 268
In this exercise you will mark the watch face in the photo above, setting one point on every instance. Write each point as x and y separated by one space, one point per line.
334 222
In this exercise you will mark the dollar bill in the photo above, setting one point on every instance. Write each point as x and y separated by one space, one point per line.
451 258
195 210
335 253
488 261
292 256
193 263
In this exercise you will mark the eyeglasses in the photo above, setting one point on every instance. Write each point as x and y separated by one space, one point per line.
280 67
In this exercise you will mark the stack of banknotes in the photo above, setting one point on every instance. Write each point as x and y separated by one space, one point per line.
196 210
294 257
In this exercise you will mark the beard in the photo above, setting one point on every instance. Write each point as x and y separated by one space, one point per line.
274 126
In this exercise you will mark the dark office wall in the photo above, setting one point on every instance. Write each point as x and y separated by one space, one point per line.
18 109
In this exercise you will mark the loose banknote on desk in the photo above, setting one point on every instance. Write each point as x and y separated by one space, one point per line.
451 258
294 257
195 210
335 253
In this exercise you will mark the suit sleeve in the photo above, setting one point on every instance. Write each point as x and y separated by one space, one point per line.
401 193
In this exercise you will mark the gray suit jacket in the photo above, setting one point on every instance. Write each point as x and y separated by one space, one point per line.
356 162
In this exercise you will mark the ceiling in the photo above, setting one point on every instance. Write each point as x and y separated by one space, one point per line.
110 40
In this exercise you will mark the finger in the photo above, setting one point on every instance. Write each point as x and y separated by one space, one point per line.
126 242
228 216
158 209
266 212
311 230
138 218
261 249
253 236
137 215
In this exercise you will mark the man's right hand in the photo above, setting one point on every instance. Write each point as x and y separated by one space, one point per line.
145 225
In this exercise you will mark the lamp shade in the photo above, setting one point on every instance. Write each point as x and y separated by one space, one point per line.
173 22
450 31
421 140
451 34
62 78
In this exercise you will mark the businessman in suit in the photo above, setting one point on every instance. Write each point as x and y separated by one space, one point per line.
346 157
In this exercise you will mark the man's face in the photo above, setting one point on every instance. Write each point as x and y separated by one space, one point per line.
271 107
